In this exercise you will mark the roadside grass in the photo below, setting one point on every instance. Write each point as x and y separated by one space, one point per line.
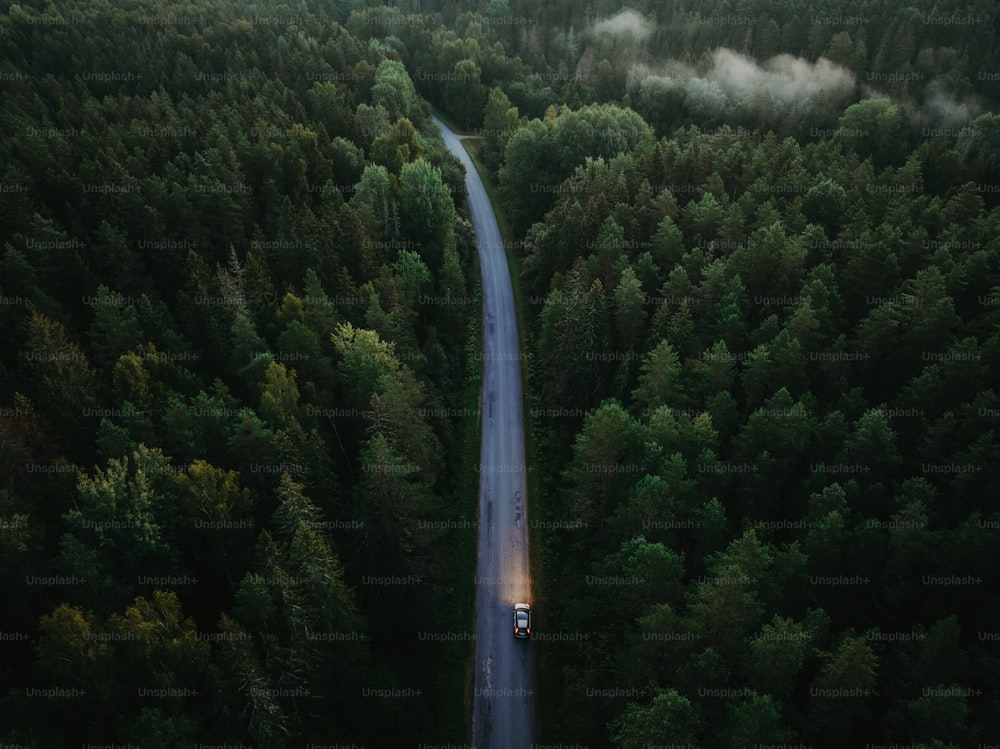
465 535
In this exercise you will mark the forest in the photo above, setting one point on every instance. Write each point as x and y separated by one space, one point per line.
758 256
227 391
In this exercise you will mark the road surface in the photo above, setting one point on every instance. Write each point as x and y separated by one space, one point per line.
503 705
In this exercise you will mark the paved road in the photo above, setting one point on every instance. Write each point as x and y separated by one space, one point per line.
503 708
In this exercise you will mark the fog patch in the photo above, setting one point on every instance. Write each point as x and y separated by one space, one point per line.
624 23
727 77
788 79
941 109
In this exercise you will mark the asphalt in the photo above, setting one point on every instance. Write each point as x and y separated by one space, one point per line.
503 704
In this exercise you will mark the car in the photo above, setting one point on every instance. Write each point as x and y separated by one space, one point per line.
522 620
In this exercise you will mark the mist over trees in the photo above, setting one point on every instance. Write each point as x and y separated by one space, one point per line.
773 66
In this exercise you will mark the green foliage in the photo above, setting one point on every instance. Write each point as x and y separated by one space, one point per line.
399 146
426 207
393 89
659 378
365 358
61 379
279 394
184 251
124 521
500 120
776 655
541 155
876 129
373 202
574 340
825 204
669 717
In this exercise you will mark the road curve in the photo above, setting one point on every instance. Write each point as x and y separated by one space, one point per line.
503 706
